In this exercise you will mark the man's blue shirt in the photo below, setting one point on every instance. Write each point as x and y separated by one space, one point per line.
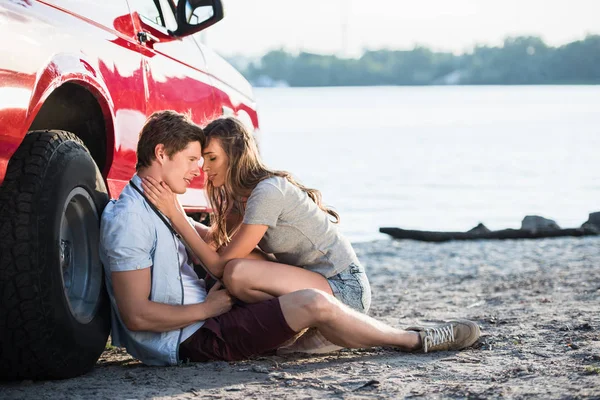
133 237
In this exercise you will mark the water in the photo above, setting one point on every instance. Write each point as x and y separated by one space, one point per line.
439 158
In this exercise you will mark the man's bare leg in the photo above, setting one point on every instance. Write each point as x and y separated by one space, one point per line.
340 324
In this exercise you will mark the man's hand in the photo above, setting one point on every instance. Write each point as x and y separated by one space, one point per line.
218 300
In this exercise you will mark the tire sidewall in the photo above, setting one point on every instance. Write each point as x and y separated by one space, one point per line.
71 166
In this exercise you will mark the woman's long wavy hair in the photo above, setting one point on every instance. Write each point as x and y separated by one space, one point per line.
244 172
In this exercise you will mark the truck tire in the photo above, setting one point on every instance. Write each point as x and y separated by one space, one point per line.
54 310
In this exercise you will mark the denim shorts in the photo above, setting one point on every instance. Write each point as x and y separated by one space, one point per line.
351 287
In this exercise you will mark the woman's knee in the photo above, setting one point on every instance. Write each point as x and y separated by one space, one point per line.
234 277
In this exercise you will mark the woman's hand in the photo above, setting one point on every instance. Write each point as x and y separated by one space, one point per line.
160 194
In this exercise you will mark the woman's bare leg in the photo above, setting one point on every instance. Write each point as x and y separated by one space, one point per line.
254 280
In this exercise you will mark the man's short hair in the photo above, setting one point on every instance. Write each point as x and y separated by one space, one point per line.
169 128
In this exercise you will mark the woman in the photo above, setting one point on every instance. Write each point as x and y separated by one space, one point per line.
255 206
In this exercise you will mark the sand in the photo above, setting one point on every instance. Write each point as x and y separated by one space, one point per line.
537 302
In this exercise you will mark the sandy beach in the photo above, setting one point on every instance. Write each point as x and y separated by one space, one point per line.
537 302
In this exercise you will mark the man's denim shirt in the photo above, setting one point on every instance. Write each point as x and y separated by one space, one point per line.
133 237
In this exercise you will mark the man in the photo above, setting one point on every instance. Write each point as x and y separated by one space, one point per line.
162 312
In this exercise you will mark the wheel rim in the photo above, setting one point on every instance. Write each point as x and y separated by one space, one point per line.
78 252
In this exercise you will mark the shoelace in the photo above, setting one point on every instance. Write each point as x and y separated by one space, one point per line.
437 336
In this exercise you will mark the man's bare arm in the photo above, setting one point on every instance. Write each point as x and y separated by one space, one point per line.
132 292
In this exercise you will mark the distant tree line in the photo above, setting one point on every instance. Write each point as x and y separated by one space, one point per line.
520 60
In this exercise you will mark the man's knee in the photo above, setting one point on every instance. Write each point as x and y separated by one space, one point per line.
319 305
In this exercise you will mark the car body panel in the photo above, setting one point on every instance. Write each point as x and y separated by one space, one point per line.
95 45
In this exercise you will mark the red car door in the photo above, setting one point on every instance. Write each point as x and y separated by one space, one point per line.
176 78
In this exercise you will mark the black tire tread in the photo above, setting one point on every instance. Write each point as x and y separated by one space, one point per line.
28 345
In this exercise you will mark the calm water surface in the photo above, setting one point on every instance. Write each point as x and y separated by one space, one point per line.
439 158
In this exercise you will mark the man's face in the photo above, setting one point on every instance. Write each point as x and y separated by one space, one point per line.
179 170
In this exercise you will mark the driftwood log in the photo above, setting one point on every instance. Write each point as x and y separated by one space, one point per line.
432 236
532 227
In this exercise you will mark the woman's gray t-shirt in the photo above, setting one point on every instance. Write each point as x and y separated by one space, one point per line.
299 232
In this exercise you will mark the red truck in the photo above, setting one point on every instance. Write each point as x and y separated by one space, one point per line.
77 81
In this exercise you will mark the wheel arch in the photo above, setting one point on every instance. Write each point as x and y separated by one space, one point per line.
78 102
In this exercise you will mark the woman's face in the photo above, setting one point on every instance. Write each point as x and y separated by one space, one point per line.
215 162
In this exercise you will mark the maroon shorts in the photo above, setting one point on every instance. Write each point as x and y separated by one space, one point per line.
246 330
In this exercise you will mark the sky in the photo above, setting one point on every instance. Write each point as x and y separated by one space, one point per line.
348 27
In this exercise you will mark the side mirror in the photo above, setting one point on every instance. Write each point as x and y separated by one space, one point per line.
196 15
